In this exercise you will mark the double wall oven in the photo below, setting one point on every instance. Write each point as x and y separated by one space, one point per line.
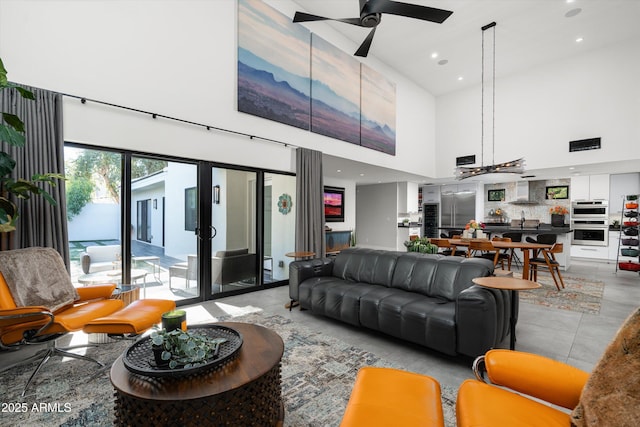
590 222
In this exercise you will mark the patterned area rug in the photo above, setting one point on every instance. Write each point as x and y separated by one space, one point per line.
579 294
318 373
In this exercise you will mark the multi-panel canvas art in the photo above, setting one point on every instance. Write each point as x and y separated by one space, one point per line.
378 119
273 65
289 75
335 92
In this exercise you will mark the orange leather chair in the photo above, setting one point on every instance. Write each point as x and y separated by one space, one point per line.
391 397
483 404
93 311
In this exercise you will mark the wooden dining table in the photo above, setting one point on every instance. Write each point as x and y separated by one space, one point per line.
526 248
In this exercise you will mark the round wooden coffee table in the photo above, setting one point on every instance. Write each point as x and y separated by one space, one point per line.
246 391
513 285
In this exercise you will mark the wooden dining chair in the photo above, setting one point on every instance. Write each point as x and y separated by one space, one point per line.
506 255
548 260
514 258
485 249
444 246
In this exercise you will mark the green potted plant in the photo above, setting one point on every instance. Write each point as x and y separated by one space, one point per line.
422 245
183 349
13 133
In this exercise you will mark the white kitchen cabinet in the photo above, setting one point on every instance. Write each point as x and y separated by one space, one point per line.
591 252
590 187
431 194
459 188
614 237
407 197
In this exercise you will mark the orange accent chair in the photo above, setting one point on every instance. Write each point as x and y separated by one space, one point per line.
483 404
391 397
93 311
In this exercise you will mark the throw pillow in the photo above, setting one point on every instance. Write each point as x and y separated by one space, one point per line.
37 277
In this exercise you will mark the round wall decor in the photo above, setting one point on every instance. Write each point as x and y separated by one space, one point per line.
284 204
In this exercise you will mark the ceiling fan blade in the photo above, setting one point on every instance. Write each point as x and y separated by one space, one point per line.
409 10
363 50
307 17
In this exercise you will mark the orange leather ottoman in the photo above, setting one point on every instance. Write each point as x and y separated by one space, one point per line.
135 318
391 397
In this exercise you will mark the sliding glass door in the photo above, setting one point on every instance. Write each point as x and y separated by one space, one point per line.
176 229
234 254
164 218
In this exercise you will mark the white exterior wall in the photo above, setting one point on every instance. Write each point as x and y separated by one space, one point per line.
178 242
83 226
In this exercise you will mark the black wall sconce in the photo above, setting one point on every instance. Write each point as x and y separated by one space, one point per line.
155 203
216 194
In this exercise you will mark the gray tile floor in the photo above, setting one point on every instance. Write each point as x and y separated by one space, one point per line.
576 338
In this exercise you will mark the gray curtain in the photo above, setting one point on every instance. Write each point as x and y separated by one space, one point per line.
39 224
310 202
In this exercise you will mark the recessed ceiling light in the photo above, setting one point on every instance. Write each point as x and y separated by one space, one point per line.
460 78
570 1
339 170
571 168
579 40
361 174
443 62
434 55
572 12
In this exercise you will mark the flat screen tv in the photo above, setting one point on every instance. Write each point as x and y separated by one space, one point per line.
334 204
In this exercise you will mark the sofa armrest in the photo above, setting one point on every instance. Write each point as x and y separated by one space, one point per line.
537 376
479 320
85 261
299 271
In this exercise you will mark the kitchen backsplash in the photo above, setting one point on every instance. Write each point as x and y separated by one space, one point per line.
539 211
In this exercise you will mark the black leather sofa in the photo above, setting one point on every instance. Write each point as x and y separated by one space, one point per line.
426 299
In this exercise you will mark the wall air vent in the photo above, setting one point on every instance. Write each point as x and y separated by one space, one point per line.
465 160
584 144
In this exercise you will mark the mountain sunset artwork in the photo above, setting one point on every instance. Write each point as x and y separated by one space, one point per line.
273 65
289 75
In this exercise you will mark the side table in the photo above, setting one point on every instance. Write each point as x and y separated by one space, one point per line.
247 391
513 285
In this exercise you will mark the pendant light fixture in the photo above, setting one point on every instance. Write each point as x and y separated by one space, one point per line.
515 166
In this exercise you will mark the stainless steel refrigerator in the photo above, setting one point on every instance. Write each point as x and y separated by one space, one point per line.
457 209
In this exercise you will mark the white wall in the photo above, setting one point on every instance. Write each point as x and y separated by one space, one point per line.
538 112
376 216
283 227
177 58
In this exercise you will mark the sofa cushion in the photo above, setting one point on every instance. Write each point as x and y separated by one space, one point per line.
107 253
454 275
414 272
366 265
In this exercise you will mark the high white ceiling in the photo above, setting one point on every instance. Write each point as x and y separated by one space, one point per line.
529 33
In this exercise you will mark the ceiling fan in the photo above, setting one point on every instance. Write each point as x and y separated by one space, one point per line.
371 13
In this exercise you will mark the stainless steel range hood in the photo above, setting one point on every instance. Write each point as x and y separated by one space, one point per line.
523 194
